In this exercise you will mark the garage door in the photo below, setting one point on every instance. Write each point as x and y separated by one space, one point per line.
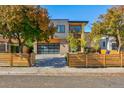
52 48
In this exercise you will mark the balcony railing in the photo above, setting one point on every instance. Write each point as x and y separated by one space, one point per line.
77 35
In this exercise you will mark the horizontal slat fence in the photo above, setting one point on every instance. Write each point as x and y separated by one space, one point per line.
20 60
14 59
113 60
95 60
74 60
5 59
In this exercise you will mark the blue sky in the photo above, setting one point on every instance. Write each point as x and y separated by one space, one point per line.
77 12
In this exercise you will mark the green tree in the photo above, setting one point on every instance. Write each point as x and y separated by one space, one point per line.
96 43
73 42
111 24
83 40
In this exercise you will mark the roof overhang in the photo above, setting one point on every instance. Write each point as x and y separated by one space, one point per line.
54 40
78 22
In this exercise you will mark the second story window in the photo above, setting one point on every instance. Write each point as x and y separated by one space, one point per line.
61 28
75 28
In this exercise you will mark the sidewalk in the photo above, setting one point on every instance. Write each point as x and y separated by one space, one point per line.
47 71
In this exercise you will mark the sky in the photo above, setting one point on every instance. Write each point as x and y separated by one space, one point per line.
77 12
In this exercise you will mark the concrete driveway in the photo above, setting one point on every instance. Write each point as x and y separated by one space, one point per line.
50 60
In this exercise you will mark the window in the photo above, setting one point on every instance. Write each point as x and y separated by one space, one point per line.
53 48
75 28
114 46
103 44
61 28
2 47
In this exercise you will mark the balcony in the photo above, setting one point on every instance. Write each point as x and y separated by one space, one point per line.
77 35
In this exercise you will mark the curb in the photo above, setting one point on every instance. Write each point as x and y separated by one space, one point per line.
66 74
62 72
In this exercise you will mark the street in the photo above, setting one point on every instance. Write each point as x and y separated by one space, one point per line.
38 81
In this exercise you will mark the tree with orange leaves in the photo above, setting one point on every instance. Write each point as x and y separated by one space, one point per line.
24 24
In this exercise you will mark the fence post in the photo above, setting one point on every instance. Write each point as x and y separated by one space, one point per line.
11 61
31 59
121 59
104 60
68 59
86 61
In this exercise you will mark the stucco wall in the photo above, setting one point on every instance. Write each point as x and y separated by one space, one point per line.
35 47
61 22
64 48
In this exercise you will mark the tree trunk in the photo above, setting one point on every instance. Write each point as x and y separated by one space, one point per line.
119 41
20 47
29 60
9 46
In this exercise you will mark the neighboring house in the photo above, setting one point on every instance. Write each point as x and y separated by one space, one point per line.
3 45
108 43
6 47
59 44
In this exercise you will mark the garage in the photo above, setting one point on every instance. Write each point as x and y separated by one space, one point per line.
48 48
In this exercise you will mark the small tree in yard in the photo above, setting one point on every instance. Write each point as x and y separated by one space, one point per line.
73 42
83 41
96 43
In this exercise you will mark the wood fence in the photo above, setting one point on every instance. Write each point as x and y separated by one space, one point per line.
95 60
10 59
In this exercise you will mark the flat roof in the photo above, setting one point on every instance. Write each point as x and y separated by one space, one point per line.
73 21
78 21
59 19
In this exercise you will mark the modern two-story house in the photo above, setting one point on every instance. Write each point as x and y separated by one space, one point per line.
58 44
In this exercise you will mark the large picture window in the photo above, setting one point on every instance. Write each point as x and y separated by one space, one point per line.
75 28
61 28
53 48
